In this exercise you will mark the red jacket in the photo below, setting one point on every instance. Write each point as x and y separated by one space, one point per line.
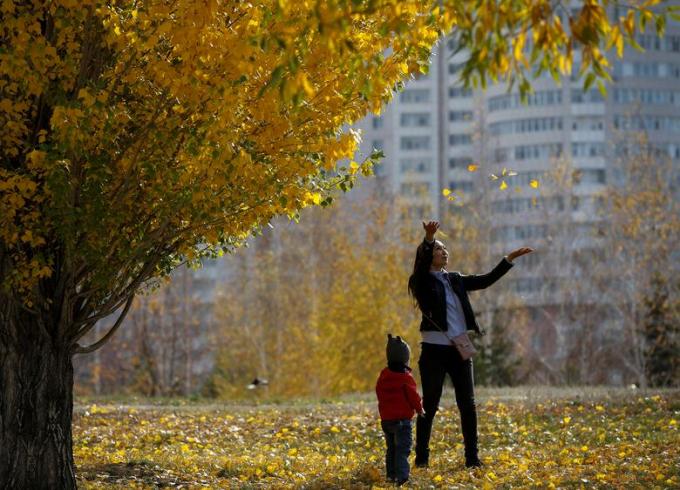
398 397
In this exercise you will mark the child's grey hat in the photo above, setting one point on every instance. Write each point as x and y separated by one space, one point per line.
398 350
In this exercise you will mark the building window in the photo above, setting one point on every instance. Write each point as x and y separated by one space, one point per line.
415 143
578 96
459 92
501 155
417 165
530 152
513 101
646 96
412 96
588 124
649 41
460 139
460 162
461 186
378 144
415 120
455 68
415 189
522 232
531 125
456 116
591 176
672 44
587 149
647 123
525 204
377 122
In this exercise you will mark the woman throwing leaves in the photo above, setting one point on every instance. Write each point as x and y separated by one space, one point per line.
447 316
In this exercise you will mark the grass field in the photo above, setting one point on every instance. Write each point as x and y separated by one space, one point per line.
529 437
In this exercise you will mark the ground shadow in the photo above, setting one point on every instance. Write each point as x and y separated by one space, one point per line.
132 472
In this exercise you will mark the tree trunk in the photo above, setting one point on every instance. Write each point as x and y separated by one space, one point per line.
36 406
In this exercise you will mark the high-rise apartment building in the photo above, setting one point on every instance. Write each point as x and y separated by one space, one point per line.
434 129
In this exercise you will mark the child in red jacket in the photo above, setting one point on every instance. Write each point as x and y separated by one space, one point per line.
398 401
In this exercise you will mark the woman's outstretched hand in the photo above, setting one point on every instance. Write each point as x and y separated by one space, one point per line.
519 252
431 228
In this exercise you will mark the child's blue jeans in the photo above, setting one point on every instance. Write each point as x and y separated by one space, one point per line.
398 436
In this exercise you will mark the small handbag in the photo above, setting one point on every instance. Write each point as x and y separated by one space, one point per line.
462 342
464 345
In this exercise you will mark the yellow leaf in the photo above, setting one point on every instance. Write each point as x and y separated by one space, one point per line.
519 45
534 183
315 197
472 167
446 192
503 185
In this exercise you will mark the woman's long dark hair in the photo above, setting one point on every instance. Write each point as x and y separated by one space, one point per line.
421 271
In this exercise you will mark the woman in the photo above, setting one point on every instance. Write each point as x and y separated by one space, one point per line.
446 313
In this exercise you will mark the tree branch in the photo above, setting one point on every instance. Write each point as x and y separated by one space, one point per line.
78 349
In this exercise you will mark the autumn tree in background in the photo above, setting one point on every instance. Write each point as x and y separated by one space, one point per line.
314 302
566 343
136 136
638 277
162 349
662 332
498 362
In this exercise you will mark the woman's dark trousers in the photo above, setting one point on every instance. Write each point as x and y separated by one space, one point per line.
436 361
399 438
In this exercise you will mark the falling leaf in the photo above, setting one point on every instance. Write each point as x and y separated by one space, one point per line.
534 183
493 177
472 167
503 185
446 192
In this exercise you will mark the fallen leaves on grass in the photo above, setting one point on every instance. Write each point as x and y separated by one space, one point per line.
560 444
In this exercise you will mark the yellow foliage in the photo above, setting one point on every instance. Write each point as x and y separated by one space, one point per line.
339 444
155 132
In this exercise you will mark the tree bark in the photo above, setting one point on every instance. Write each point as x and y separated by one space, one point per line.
36 405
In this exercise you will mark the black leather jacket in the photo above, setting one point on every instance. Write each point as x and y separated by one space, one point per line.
433 300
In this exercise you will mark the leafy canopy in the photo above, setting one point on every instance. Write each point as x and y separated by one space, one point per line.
137 135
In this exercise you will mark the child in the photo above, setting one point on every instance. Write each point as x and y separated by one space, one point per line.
398 401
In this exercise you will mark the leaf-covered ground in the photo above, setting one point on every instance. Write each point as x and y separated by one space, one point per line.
560 439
